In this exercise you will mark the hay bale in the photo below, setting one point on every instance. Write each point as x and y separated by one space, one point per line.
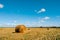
47 28
20 29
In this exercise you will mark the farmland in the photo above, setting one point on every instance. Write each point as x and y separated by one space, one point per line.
32 34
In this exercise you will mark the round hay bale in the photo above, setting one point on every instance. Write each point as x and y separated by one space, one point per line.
20 29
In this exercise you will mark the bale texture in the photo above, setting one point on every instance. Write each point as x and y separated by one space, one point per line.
20 29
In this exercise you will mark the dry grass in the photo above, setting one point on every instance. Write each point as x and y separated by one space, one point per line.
33 34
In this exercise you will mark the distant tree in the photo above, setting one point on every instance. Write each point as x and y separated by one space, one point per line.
40 26
53 26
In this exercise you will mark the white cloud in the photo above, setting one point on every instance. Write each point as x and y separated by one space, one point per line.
41 10
1 5
44 19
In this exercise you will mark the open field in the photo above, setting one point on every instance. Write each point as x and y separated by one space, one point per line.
33 34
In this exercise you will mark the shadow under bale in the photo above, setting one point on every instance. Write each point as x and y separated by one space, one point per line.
20 29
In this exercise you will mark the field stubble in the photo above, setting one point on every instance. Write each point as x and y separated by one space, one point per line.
33 34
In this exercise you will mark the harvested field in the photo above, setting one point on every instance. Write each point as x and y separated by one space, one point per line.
33 34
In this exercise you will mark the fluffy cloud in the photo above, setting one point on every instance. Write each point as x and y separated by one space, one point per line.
1 5
44 19
41 10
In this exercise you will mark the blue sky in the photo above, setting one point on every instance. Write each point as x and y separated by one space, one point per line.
30 12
